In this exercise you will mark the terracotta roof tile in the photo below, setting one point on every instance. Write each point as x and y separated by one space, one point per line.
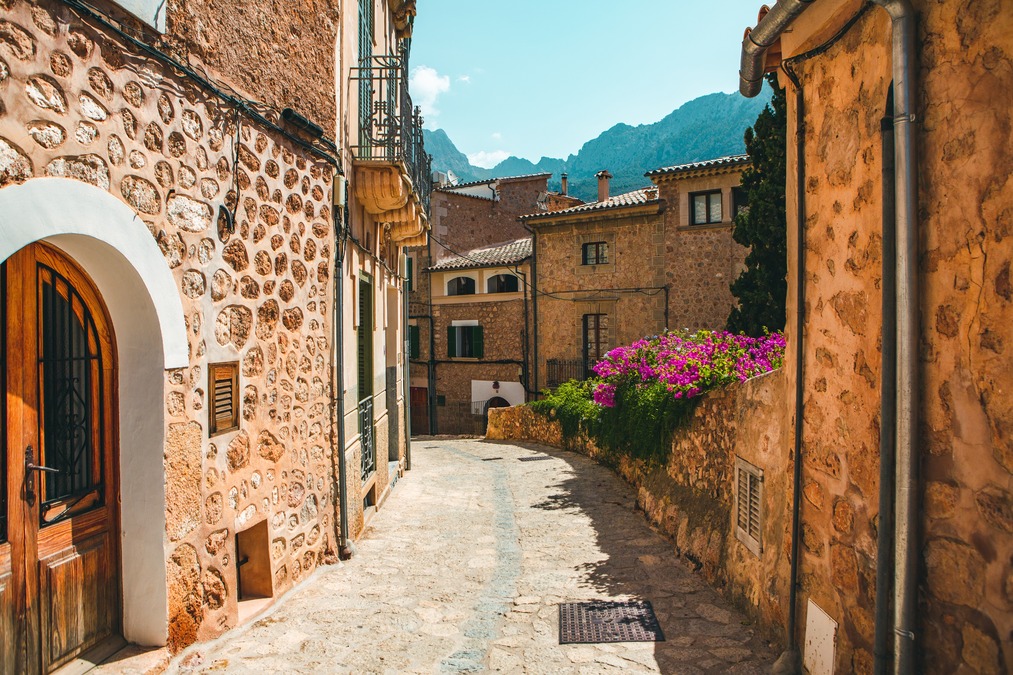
634 198
491 256
451 188
731 160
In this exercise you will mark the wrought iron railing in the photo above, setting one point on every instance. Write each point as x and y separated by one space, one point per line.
391 130
366 439
559 371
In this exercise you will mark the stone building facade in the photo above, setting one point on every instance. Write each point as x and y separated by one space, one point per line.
200 240
961 121
473 284
626 266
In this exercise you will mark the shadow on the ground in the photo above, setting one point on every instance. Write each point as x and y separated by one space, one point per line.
702 632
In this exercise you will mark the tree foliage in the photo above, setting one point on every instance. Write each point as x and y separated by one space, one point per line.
762 286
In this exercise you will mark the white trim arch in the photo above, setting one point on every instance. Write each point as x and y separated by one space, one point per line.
106 238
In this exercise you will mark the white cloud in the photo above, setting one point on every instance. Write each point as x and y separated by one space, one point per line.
487 160
426 86
496 136
466 79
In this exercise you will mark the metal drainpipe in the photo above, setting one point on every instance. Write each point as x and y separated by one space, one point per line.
534 300
346 548
883 647
405 383
907 480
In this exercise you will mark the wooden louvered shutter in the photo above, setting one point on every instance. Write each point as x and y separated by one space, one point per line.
477 342
223 384
413 342
749 505
365 335
451 341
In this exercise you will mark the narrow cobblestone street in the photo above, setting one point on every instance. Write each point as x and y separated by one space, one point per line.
462 571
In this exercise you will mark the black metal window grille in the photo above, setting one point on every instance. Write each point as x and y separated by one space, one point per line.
705 207
71 383
3 404
461 286
365 363
595 253
595 329
366 437
503 283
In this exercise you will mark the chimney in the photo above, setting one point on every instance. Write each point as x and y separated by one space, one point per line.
603 185
562 189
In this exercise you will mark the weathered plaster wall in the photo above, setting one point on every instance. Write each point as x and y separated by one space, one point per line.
691 499
74 106
964 133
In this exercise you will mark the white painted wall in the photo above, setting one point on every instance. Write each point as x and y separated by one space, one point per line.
482 391
151 12
115 248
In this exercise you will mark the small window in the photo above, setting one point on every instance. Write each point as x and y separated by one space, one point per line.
223 383
749 505
461 286
740 202
595 253
465 342
502 283
413 342
705 208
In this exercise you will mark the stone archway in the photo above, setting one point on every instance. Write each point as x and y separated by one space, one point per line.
114 247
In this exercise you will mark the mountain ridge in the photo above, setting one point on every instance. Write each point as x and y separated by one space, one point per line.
707 127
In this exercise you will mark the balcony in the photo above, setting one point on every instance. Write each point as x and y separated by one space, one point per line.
393 172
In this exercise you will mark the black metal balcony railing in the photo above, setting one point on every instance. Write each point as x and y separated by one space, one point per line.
559 371
390 126
366 437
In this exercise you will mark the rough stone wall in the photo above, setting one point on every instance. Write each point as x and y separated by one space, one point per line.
75 106
965 193
464 223
251 44
568 290
692 498
701 261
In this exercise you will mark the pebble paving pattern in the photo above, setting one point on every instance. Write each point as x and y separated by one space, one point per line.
464 566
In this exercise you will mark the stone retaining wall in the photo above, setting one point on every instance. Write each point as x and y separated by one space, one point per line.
692 498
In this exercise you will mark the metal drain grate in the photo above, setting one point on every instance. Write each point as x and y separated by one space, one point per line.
536 458
607 621
490 459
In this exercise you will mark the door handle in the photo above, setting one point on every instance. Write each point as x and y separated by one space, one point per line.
30 466
30 462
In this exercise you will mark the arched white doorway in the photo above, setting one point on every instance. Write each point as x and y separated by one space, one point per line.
114 247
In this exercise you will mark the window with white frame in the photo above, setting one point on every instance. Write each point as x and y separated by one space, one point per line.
749 505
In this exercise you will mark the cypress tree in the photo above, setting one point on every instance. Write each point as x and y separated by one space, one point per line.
762 286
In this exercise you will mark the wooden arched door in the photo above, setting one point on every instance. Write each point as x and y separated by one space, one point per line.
59 561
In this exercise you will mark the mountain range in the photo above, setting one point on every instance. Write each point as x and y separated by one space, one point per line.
705 128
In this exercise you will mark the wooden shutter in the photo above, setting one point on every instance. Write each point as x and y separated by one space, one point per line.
477 342
413 342
451 341
749 505
409 280
365 336
223 387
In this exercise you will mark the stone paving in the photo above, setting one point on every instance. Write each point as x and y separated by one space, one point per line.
464 566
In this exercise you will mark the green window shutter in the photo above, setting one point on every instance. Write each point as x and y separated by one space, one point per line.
413 342
477 343
408 273
451 341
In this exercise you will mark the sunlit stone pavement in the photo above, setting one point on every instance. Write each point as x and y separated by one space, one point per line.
463 568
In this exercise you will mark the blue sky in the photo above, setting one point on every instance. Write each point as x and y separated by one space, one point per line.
541 77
